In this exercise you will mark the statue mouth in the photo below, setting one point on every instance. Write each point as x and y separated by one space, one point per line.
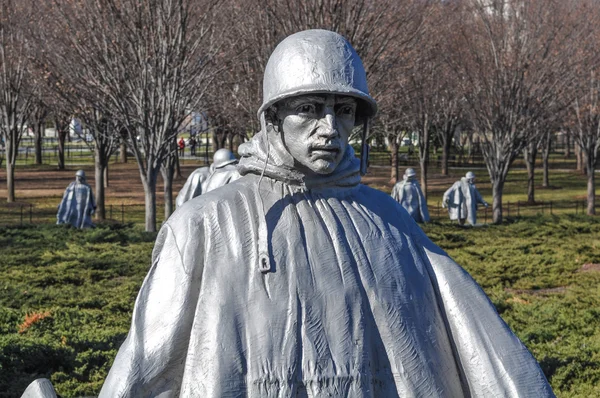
327 148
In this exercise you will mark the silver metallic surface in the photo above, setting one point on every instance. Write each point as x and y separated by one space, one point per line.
354 300
408 193
40 388
77 205
315 61
461 199
193 185
201 180
223 157
221 176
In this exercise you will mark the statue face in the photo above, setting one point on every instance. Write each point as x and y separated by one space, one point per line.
315 129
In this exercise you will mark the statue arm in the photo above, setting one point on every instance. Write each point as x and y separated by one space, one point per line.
446 197
151 361
398 192
493 361
480 199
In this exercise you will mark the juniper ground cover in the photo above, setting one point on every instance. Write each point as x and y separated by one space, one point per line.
66 296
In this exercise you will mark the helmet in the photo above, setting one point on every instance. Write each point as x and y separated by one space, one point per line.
410 172
470 175
316 61
80 173
223 157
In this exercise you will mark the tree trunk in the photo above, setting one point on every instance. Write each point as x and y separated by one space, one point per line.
446 155
149 183
530 154
99 169
61 149
215 140
497 189
10 178
591 184
167 172
395 167
546 162
178 166
38 135
424 162
579 158
106 181
123 151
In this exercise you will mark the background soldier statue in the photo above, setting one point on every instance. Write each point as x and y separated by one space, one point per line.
298 281
78 204
408 193
201 180
225 170
462 198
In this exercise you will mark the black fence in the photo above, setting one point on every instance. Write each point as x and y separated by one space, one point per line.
135 213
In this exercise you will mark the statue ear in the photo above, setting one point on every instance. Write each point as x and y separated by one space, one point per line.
272 119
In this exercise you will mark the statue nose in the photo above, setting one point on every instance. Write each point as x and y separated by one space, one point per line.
328 125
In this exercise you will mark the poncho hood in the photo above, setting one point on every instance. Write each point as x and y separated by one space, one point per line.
266 151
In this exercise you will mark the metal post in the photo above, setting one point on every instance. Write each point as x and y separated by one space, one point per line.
438 210
21 214
30 214
485 217
508 210
518 208
542 207
576 207
550 207
110 213
122 213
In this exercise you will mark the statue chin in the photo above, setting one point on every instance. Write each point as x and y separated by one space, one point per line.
320 167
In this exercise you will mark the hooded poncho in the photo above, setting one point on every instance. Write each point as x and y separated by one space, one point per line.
77 206
408 193
462 199
357 301
193 185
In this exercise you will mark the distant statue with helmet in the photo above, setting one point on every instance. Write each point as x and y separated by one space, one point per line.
409 194
78 204
222 171
462 198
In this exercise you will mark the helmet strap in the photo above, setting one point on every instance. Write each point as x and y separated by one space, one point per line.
364 150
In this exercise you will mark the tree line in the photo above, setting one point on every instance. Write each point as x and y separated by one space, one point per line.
509 73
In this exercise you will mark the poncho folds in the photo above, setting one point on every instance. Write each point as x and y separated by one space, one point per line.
408 193
358 302
77 206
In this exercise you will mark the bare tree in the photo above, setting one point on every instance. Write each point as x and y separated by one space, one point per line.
152 62
515 59
15 97
586 133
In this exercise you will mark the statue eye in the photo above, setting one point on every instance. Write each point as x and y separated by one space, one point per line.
346 110
309 109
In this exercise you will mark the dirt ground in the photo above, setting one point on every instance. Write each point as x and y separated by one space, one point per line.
44 184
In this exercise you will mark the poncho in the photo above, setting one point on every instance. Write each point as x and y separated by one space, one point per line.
408 193
77 206
356 302
462 199
193 185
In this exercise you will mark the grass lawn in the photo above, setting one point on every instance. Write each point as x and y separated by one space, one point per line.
66 296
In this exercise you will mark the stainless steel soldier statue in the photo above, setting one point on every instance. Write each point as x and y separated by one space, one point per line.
408 193
298 281
78 204
205 179
462 198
